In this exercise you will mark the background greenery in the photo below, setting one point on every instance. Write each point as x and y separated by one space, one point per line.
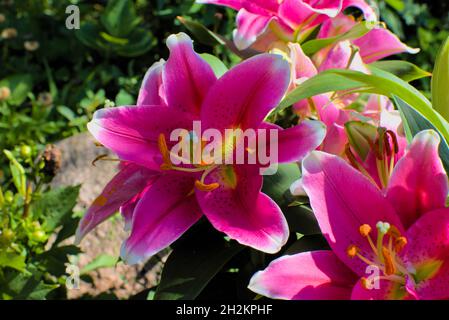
59 77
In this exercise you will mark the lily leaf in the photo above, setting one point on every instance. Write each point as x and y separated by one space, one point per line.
415 122
379 82
440 82
216 64
359 30
405 70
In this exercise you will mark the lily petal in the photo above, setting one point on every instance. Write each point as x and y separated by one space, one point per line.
187 77
256 6
316 275
380 43
385 290
245 95
411 193
306 14
428 254
296 142
128 182
152 91
241 211
340 210
167 209
132 132
249 27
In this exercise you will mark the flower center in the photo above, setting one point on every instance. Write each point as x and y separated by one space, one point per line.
203 168
386 247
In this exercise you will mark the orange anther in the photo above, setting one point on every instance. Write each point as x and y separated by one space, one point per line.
365 230
400 243
206 187
352 251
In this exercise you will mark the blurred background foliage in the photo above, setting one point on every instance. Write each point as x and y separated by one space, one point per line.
52 79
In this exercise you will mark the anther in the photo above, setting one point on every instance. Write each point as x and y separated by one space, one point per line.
365 230
400 243
352 251
206 187
389 265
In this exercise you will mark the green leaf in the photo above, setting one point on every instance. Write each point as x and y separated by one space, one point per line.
19 85
191 266
405 70
123 98
140 42
18 173
119 18
102 261
359 30
12 260
20 286
54 260
216 64
56 206
440 82
379 82
415 122
201 33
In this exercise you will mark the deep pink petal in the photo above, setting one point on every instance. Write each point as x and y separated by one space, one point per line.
132 132
419 182
250 27
302 65
152 92
428 244
341 209
255 6
187 77
241 211
386 290
296 142
244 96
167 209
316 275
296 13
380 43
128 182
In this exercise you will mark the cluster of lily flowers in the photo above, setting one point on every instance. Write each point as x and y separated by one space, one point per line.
380 203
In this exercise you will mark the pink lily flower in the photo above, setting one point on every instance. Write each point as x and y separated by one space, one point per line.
174 94
286 20
391 244
373 46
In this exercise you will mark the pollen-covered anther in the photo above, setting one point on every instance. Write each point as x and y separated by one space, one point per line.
390 268
352 251
400 243
365 283
163 148
206 187
365 230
